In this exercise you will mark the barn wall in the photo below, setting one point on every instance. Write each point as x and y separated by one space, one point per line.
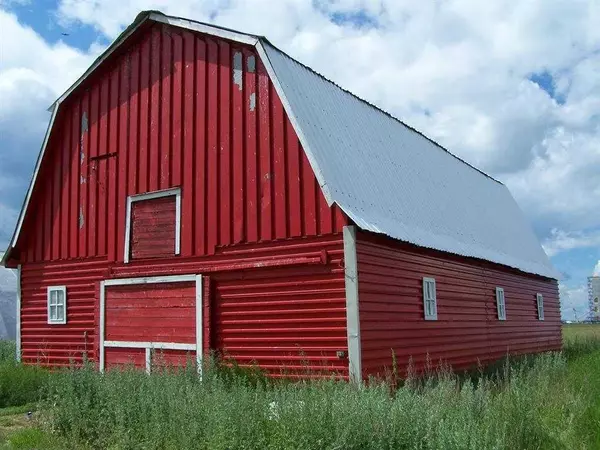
467 330
59 345
280 305
174 109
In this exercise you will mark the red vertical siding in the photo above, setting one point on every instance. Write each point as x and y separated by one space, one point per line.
164 312
170 112
467 329
153 224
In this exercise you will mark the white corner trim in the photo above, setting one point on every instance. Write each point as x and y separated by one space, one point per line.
199 336
150 196
18 317
101 330
295 122
224 33
147 345
352 306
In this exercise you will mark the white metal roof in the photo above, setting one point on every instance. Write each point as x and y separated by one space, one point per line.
392 180
385 176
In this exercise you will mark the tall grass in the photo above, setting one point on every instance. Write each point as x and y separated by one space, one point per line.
19 384
532 408
7 351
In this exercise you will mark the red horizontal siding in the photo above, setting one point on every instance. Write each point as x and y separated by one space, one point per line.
60 344
172 358
166 112
161 312
153 228
125 357
467 330
278 305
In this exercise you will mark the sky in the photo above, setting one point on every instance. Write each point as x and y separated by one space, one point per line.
511 87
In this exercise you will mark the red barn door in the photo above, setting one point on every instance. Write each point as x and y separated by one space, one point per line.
151 321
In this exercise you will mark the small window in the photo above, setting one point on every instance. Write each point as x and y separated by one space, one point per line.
429 299
500 303
540 306
57 305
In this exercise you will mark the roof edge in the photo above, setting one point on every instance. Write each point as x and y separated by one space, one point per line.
25 205
294 120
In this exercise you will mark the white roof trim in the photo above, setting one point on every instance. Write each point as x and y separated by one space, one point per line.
295 122
224 33
38 163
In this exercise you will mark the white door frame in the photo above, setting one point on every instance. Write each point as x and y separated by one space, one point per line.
149 346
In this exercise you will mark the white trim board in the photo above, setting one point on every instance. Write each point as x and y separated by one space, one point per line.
150 345
232 35
18 317
352 306
147 345
150 196
260 48
150 280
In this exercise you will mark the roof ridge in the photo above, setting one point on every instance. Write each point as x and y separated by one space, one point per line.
380 110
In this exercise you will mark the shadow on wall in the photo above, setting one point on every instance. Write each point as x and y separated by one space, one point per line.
8 303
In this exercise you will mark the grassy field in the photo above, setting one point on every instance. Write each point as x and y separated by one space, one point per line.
550 401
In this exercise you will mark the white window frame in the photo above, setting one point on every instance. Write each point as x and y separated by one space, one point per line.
150 196
540 305
429 302
501 303
59 290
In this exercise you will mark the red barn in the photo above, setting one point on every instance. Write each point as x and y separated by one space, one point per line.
198 189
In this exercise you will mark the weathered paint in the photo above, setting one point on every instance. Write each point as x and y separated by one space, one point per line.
174 109
163 312
153 228
467 330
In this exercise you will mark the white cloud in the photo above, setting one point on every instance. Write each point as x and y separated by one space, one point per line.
562 241
457 70
573 302
32 75
596 271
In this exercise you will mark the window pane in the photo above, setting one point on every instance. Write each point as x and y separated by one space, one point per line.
52 312
59 313
60 298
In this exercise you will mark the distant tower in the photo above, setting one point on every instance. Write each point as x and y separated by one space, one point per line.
594 298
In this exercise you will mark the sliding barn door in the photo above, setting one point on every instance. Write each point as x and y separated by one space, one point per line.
151 322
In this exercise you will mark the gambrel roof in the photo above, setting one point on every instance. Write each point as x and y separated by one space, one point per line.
387 177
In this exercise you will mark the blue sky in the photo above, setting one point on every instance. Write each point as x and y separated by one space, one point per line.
511 88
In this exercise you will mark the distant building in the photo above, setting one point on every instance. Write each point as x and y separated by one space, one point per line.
200 190
8 303
594 298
